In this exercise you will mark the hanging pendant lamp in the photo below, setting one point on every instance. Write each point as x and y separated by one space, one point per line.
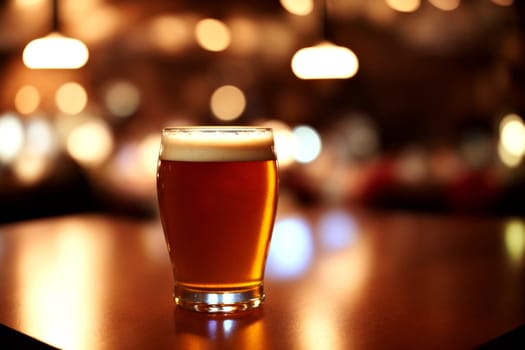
55 51
325 60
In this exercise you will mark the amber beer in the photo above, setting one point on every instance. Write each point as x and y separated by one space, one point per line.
217 193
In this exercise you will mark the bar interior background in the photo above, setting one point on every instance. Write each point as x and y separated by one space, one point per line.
432 120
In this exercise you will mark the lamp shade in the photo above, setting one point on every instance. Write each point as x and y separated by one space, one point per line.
55 51
325 61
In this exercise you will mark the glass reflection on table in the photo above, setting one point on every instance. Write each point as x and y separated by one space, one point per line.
239 331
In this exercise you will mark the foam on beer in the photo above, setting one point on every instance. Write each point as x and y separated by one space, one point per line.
214 145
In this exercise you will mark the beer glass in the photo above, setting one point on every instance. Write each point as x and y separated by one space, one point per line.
217 193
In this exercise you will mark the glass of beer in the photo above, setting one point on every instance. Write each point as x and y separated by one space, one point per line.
217 192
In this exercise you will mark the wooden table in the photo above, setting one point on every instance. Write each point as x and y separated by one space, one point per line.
337 279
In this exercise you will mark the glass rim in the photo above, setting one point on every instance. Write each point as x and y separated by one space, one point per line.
216 128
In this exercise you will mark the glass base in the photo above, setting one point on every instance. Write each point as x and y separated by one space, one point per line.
213 301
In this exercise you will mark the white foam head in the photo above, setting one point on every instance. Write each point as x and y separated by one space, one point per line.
217 144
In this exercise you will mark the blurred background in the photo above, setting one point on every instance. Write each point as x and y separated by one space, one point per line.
430 120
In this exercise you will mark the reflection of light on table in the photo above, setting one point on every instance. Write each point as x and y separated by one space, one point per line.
216 326
320 330
55 294
342 272
291 248
244 332
337 230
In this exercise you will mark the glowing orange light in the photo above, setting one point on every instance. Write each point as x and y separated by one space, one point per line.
228 102
71 98
325 61
212 34
27 99
55 51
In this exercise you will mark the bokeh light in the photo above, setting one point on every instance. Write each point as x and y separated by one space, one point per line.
40 137
244 35
309 141
90 143
71 98
412 166
27 99
278 38
325 61
55 51
515 240
337 230
298 7
148 152
291 249
356 136
476 147
227 102
23 3
29 168
503 2
512 134
11 137
132 168
212 34
99 23
509 159
122 98
445 5
170 33
404 5
35 159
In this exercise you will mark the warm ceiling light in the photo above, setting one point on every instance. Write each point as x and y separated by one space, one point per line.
298 7
446 5
325 61
404 5
55 51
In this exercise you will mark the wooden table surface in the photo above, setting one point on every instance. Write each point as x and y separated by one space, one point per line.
337 278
